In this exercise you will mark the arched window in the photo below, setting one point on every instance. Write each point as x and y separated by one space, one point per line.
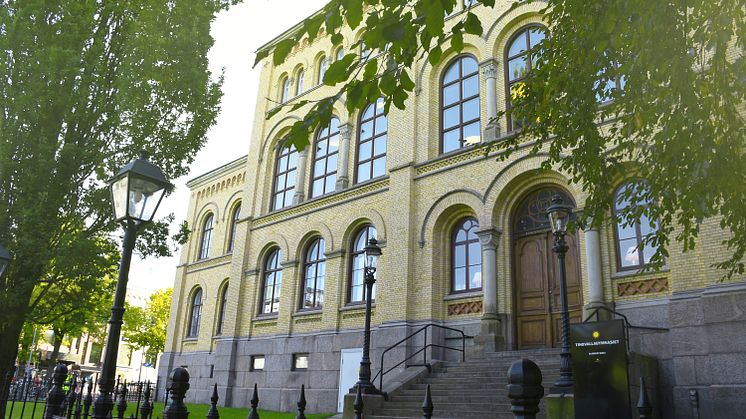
299 85
322 69
314 272
235 215
459 105
284 182
326 149
271 283
520 62
371 148
195 314
285 92
631 254
340 54
221 309
357 265
466 272
204 247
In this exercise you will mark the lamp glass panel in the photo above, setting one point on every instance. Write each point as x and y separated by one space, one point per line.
144 197
119 196
371 261
559 219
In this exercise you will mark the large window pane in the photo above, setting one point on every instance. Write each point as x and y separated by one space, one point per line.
461 81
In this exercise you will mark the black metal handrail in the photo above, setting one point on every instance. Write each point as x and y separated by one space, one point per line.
423 350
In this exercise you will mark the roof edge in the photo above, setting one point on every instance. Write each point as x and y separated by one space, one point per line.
218 171
271 43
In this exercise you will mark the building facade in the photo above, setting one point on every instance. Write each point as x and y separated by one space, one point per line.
269 288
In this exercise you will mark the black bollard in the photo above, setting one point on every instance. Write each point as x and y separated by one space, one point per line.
179 380
358 405
427 404
253 414
644 408
146 408
302 403
122 405
213 413
524 389
56 396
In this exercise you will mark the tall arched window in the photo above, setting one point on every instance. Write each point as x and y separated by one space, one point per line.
314 272
285 90
271 283
204 247
222 302
299 84
631 254
371 148
322 69
235 215
326 149
339 54
195 314
284 182
357 265
459 105
520 62
466 272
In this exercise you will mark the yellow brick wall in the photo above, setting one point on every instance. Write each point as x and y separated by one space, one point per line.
413 207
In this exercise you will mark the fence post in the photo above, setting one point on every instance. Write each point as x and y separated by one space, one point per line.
427 404
644 408
71 396
56 396
139 397
122 405
179 385
146 407
302 403
213 413
253 414
88 400
524 388
79 399
358 405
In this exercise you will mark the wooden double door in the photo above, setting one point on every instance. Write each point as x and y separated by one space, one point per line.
537 289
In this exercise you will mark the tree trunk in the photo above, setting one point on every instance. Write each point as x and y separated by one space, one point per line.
8 352
56 342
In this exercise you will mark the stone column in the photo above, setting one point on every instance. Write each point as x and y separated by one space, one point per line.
489 73
300 177
343 179
595 280
490 335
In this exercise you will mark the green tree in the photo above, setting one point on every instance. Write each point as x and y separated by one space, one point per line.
146 327
85 85
676 119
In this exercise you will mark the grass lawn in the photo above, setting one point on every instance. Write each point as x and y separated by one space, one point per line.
196 411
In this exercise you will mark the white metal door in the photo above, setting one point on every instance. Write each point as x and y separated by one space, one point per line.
348 372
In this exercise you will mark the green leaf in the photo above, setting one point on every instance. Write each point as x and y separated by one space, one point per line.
371 68
387 84
434 55
337 38
434 19
339 70
312 25
260 55
472 25
394 32
406 83
354 13
457 41
282 50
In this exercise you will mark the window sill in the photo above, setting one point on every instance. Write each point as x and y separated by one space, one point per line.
637 272
356 306
265 317
463 295
190 340
307 312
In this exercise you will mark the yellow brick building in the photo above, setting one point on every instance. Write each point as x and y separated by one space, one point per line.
268 288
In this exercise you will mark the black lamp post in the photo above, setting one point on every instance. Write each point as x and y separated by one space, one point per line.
4 259
136 192
372 253
559 217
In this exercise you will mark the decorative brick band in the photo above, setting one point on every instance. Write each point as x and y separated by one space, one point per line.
647 286
470 307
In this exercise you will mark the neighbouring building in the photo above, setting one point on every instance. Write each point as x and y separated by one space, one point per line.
269 287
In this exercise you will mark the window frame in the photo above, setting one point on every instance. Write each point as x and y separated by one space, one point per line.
285 89
193 326
300 80
296 357
364 229
442 107
638 232
222 303
253 360
266 271
235 216
372 138
278 156
308 262
322 67
526 30
325 157
453 244
206 236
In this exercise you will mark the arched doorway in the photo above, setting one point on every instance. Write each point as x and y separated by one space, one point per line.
537 289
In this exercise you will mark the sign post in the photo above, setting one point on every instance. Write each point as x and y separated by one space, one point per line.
599 363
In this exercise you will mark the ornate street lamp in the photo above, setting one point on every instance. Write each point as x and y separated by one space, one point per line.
4 259
559 216
136 192
372 253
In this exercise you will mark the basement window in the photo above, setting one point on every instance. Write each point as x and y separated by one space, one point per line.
300 362
257 363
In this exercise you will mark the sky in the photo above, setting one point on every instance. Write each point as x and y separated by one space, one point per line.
238 32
